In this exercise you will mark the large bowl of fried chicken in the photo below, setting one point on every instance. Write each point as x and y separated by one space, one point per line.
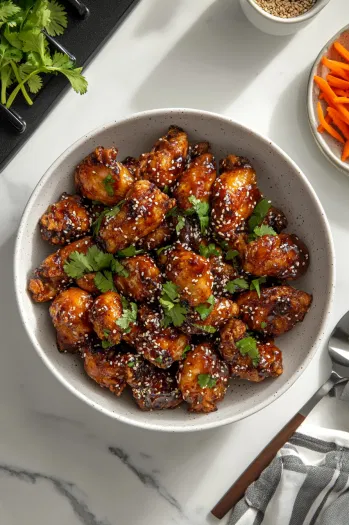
175 270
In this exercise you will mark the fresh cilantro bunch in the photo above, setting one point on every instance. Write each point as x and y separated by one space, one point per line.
24 51
174 311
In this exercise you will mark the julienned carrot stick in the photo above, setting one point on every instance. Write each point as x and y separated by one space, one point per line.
325 88
335 67
341 50
341 100
337 121
327 126
344 112
345 153
341 92
337 82
320 128
335 64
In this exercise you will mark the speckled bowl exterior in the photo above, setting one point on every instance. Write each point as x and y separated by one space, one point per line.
329 146
279 179
277 26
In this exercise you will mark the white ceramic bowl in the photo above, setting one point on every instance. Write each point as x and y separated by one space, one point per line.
279 178
274 25
329 146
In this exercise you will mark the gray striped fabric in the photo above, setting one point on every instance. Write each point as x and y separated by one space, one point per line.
306 484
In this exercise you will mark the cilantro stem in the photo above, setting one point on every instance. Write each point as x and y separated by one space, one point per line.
20 86
18 78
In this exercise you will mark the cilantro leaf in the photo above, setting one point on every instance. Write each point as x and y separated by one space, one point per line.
203 310
259 213
209 251
202 210
185 351
98 259
206 381
106 344
57 21
109 212
231 254
255 284
171 290
163 248
7 11
108 183
259 231
77 265
173 212
104 281
77 81
165 189
206 328
119 268
131 364
248 346
130 251
236 285
158 359
129 315
174 311
180 223
263 325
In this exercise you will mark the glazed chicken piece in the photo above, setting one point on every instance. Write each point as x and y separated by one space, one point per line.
222 273
157 238
65 220
132 164
283 256
143 211
87 283
198 178
69 313
166 161
152 388
107 368
276 311
50 278
276 219
105 311
190 234
191 273
223 309
143 281
234 196
99 177
230 333
159 345
203 379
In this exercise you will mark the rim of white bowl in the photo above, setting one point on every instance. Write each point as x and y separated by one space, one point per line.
201 424
313 11
312 117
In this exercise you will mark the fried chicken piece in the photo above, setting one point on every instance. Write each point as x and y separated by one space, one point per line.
65 220
107 368
152 388
87 283
50 278
230 333
159 345
234 195
276 311
270 363
190 234
143 211
69 313
166 161
198 177
157 238
203 379
143 282
283 256
191 273
105 311
132 164
99 177
223 309
276 219
222 273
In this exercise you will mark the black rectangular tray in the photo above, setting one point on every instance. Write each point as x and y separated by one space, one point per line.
84 37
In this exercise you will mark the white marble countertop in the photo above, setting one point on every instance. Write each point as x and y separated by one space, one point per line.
61 461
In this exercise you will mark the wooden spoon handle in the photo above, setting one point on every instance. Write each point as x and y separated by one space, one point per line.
254 470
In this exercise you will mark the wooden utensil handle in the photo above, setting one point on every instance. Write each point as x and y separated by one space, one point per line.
253 471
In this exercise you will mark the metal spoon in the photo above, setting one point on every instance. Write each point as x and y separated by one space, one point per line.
338 348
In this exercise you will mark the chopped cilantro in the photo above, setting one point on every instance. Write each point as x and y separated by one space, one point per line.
109 212
209 251
206 381
158 359
260 231
180 223
119 268
231 254
263 325
129 315
106 333
206 328
185 351
165 189
130 251
163 248
255 284
248 346
107 344
203 310
104 281
93 261
202 210
174 311
108 183
259 213
236 285
131 364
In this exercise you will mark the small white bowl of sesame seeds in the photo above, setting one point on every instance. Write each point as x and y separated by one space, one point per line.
281 17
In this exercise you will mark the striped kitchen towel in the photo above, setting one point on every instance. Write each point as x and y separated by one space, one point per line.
306 484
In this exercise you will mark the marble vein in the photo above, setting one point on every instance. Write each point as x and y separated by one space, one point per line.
64 488
147 479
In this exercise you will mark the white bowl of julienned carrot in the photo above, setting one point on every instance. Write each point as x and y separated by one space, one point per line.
328 100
